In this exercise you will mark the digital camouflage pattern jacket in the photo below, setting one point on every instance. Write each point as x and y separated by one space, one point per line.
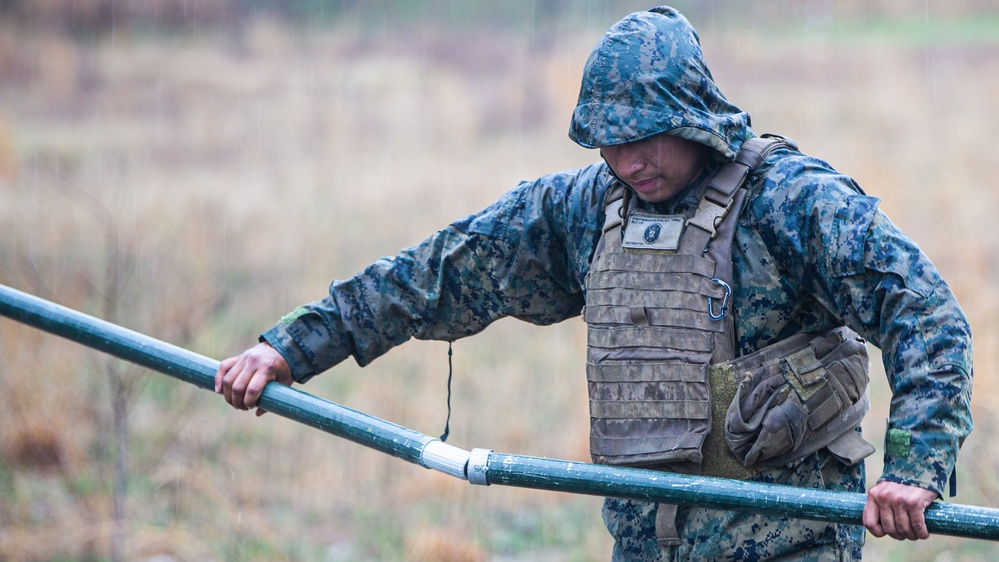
811 252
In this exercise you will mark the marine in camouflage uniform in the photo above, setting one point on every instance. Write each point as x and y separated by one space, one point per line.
811 252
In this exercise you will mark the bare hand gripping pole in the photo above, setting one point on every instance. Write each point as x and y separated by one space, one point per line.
482 466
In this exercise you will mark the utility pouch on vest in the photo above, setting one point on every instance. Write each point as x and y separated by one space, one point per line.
801 394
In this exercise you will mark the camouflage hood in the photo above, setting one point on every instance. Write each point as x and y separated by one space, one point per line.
647 76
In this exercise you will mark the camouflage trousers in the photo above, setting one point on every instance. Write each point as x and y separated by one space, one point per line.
712 535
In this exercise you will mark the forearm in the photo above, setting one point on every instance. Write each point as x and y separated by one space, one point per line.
389 302
929 420
452 285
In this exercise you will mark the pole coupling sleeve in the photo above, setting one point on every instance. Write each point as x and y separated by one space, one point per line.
445 458
478 466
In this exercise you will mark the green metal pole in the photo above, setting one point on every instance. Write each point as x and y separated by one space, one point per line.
482 466
720 493
199 370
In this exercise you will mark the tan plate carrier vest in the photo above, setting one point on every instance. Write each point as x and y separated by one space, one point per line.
661 365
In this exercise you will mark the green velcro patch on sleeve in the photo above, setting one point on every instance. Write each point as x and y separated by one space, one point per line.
293 315
898 442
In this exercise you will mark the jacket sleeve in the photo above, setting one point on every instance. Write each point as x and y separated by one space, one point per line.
514 258
851 259
925 340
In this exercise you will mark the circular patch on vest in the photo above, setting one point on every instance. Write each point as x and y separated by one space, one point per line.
652 233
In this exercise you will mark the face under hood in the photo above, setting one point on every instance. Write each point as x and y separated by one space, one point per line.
647 76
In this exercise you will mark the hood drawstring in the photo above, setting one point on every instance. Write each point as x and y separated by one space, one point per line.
450 372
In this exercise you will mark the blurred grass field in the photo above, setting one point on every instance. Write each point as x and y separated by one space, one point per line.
197 180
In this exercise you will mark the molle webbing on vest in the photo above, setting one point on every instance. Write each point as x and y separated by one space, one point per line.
657 320
652 337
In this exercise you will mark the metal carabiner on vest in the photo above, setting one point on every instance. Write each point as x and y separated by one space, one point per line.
724 304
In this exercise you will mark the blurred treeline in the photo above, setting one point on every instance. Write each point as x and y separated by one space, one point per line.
88 16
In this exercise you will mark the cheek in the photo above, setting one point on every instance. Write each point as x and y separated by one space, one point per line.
669 153
613 160
683 160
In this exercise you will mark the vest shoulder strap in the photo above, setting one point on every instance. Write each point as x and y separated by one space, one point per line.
755 150
719 192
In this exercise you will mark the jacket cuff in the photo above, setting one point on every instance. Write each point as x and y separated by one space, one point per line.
307 343
923 460
283 343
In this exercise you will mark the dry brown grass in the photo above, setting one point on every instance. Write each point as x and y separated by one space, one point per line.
197 186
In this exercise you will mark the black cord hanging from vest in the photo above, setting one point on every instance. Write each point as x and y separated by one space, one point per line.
450 371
